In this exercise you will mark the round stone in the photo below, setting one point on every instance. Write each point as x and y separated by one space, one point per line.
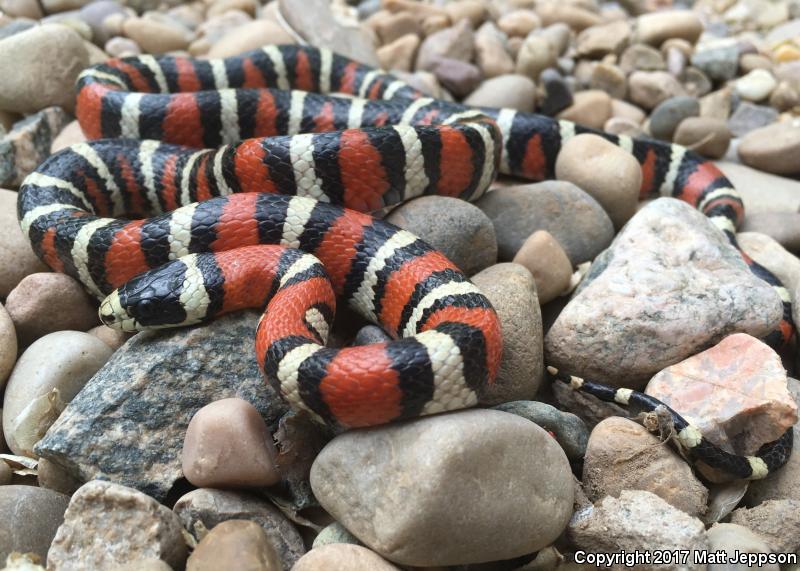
590 108
156 37
29 518
524 504
773 148
609 174
247 37
47 376
509 91
52 56
544 257
669 113
756 85
46 302
649 88
656 28
228 445
705 135
535 55
455 227
342 556
235 544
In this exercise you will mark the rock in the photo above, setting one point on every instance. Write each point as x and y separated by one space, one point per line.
756 85
94 13
54 477
695 82
435 23
343 556
777 522
512 291
8 346
504 91
717 104
204 509
568 429
370 334
520 22
622 126
557 94
783 198
17 259
785 96
609 78
769 253
334 533
114 338
450 454
656 28
457 42
535 55
473 10
773 148
669 113
574 16
603 39
146 564
16 26
28 143
156 382
395 26
653 294
221 6
623 455
249 36
6 475
781 226
590 108
227 445
69 135
705 135
52 57
637 520
574 218
460 78
238 544
455 227
641 57
649 88
47 376
607 173
107 524
400 53
718 61
558 34
46 302
29 518
21 9
156 37
547 261
122 47
624 110
736 540
490 52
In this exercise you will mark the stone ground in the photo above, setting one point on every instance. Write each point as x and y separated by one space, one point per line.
168 451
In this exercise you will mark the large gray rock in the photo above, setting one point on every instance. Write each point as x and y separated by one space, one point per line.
571 216
203 509
29 518
668 287
640 521
107 524
464 487
128 423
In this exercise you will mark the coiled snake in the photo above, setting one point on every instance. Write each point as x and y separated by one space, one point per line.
273 221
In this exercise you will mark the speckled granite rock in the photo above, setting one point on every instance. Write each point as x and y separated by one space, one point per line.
28 144
669 286
201 510
129 422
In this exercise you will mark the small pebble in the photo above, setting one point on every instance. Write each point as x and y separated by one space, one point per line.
247 37
656 28
235 544
335 533
459 77
8 346
603 39
457 42
46 302
774 148
29 518
519 22
574 16
784 227
609 174
6 474
114 338
535 55
719 62
156 37
343 556
57 478
705 135
227 445
777 522
590 108
371 334
557 95
569 430
749 117
649 88
641 57
756 85
491 54
546 260
736 539
400 54
668 114
609 78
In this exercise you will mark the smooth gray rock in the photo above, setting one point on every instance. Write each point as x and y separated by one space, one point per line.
569 430
29 518
668 114
668 287
490 486
719 62
129 421
749 117
573 218
202 509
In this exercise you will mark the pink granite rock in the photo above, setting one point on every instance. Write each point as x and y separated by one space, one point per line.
735 393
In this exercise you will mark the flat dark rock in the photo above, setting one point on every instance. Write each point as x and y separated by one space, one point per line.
128 423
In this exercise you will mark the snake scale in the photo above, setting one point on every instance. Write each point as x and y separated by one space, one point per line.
209 186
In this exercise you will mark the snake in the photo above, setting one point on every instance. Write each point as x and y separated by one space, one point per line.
207 186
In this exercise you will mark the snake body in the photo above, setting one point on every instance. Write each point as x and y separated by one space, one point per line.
267 213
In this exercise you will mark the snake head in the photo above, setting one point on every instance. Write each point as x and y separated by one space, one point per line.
151 300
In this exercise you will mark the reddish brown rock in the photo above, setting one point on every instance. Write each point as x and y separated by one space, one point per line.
227 444
735 393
